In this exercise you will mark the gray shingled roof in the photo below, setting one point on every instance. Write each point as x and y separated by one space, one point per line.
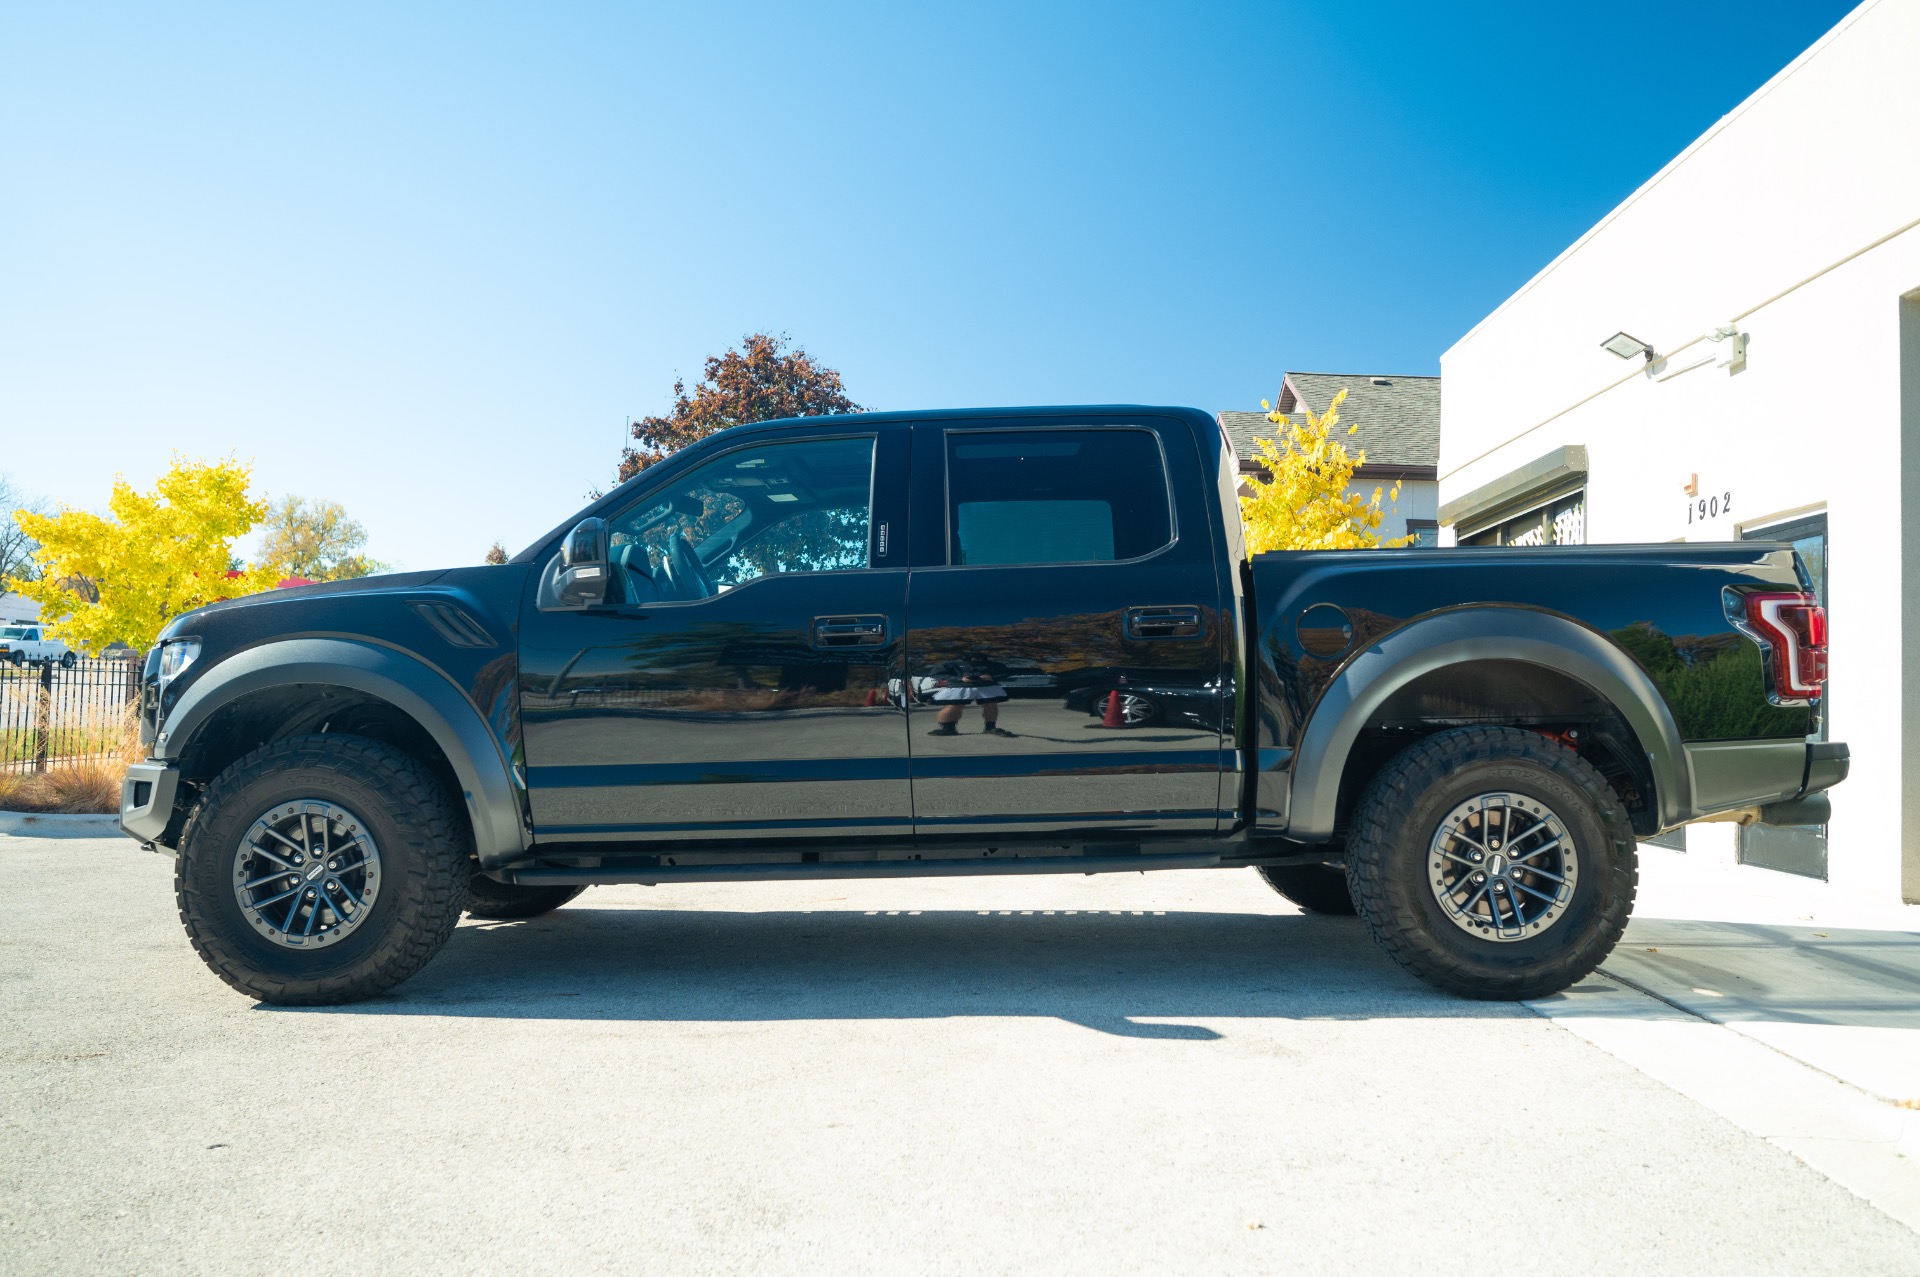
1399 421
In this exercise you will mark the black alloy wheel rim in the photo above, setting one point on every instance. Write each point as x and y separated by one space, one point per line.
306 874
1503 867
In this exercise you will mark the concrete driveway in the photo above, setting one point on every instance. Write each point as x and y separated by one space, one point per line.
1172 1072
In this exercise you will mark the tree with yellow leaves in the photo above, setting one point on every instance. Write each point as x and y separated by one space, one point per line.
121 578
1303 503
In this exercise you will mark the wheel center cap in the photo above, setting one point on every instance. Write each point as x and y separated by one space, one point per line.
1496 864
315 870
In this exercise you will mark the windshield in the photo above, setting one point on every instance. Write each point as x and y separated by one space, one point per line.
13 631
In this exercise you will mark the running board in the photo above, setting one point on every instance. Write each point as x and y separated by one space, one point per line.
857 869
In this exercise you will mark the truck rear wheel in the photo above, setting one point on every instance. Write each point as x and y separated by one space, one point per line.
320 870
1315 888
1493 863
490 898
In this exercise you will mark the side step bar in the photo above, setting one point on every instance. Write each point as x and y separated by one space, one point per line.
943 868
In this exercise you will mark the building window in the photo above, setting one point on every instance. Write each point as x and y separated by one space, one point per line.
1558 520
1425 534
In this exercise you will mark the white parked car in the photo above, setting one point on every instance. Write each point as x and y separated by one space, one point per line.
22 643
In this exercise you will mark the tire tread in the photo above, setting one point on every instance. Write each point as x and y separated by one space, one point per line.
1391 917
435 881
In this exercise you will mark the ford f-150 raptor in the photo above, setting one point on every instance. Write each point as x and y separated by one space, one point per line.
970 642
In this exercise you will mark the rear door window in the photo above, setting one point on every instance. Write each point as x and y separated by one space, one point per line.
1090 495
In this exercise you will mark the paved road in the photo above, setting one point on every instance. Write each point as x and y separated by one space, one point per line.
1038 1075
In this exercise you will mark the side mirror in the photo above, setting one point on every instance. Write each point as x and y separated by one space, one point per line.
583 570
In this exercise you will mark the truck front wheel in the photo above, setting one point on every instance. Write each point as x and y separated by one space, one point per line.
321 869
490 898
1493 863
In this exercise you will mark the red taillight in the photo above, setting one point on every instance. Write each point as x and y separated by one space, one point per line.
1794 628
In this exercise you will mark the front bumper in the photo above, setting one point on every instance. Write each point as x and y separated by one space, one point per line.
146 799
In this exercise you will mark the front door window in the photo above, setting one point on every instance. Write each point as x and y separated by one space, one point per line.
754 512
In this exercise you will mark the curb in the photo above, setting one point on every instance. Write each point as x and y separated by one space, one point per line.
33 824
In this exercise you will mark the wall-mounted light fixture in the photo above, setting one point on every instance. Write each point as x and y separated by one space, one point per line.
1626 346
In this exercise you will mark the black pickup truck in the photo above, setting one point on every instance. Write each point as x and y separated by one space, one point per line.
982 642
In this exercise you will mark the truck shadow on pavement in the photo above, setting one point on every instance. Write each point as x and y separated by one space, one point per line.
1144 974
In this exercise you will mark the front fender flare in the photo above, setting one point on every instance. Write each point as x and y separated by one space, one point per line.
1478 634
410 685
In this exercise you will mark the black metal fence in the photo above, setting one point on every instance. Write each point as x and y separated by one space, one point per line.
53 713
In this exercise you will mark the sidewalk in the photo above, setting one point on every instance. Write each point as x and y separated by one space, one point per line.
1829 979
1787 1006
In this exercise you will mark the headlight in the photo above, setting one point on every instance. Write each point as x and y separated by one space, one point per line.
175 656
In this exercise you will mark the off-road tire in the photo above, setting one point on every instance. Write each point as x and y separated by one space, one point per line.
424 848
1315 888
491 899
1403 807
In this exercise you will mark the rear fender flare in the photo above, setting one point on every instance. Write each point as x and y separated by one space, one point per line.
410 685
1478 634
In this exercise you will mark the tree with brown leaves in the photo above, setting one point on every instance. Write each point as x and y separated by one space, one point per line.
761 381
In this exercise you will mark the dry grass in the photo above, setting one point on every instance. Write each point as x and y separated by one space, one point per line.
88 784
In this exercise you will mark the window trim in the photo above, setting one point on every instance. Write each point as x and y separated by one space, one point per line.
1546 497
948 510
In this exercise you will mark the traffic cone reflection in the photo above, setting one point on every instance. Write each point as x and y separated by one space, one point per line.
1112 718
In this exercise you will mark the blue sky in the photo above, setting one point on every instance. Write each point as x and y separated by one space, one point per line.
425 260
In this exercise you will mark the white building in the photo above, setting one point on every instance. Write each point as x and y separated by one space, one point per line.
1396 421
16 609
1774 269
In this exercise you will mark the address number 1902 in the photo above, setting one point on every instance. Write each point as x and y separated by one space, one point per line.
1704 508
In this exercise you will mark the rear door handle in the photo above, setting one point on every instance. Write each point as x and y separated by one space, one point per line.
1176 622
849 631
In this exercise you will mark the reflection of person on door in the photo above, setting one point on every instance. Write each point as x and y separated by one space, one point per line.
959 683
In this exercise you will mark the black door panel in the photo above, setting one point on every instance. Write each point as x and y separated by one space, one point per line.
718 719
1108 702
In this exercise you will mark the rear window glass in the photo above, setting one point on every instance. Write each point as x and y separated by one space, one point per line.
1055 496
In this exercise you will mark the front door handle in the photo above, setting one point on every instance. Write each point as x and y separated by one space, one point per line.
849 631
1178 622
